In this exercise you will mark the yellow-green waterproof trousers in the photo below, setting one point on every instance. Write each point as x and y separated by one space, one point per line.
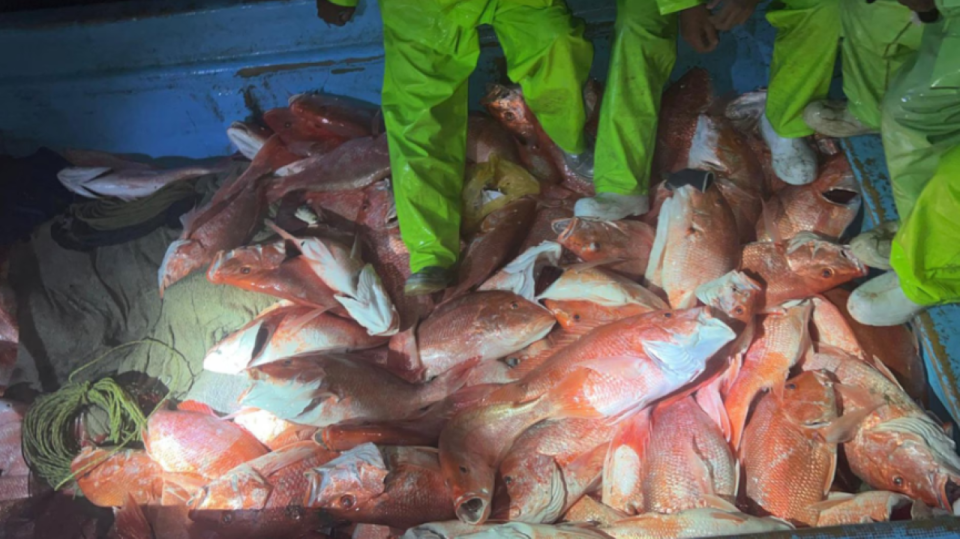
642 55
431 49
877 39
921 137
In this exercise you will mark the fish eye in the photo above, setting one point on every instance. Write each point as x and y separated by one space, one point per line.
226 517
509 116
827 273
512 362
507 480
287 125
245 270
668 315
595 246
347 501
463 469
791 386
898 481
576 317
739 310
514 305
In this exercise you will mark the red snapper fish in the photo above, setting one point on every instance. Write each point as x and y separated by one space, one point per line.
341 116
800 267
129 183
669 460
248 137
355 164
693 523
392 486
826 207
107 479
300 136
592 296
696 242
615 369
325 390
507 106
680 108
626 244
520 275
487 138
287 331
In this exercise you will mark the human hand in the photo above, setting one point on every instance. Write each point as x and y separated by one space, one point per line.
732 14
334 14
697 29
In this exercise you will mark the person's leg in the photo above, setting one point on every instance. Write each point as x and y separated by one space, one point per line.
550 59
428 59
920 118
878 38
642 55
804 54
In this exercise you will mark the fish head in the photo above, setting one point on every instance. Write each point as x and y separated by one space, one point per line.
245 265
247 137
681 342
335 114
513 318
735 295
349 481
506 104
242 488
587 238
535 487
379 210
809 399
913 455
181 259
821 263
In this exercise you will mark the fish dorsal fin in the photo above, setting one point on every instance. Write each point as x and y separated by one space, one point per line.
885 371
196 407
287 456
844 428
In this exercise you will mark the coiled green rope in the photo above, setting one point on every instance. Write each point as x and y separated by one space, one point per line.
49 436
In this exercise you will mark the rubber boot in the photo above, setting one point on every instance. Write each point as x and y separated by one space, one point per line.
834 119
793 159
881 302
873 246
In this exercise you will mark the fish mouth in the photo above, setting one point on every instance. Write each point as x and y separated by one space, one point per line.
472 509
841 196
563 228
950 494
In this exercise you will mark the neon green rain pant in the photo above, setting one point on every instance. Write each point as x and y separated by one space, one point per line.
431 48
642 55
921 137
878 39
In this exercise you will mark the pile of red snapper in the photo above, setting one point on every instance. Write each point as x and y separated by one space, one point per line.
690 373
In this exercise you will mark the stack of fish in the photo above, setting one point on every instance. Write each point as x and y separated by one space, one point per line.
690 373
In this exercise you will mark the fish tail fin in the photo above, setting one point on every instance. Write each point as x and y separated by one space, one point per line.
371 307
844 428
130 522
73 178
738 405
449 382
171 270
710 401
196 407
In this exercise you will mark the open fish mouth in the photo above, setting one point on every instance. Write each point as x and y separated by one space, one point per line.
472 509
841 197
563 228
950 495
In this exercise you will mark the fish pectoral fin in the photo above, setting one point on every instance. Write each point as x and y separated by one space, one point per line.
844 428
371 307
568 400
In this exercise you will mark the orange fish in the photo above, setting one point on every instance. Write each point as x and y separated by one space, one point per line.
286 331
803 266
627 243
747 207
895 346
106 479
588 509
300 136
392 486
328 389
668 461
734 295
614 369
274 480
498 240
487 138
588 297
207 230
705 522
198 444
483 325
830 327
682 103
720 148
788 467
272 431
552 465
696 242
896 446
782 341
507 106
354 164
827 206
340 116
541 230
865 508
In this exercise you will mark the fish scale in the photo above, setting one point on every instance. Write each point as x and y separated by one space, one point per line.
787 466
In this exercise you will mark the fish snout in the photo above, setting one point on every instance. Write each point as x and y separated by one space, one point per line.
563 228
473 509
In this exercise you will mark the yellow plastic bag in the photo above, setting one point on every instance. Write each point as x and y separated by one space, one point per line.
491 186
